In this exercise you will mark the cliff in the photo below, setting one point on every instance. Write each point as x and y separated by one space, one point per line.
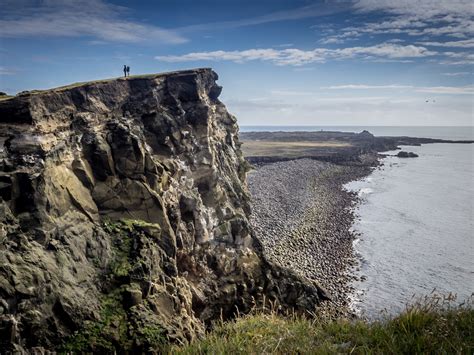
124 217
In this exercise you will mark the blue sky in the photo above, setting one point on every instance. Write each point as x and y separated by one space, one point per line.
281 62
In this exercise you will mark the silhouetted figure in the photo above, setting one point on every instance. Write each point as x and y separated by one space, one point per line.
125 71
128 70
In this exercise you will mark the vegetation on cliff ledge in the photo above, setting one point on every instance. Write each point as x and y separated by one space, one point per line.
427 327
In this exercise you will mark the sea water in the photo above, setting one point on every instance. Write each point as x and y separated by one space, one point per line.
415 219
416 225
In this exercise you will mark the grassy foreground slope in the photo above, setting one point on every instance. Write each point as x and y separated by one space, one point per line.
419 330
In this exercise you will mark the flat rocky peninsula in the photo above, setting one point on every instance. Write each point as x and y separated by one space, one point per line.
301 213
331 146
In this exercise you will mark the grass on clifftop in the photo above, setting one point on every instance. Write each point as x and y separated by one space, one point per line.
425 328
84 83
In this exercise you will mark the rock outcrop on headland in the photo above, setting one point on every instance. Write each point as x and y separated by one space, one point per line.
124 217
404 154
329 146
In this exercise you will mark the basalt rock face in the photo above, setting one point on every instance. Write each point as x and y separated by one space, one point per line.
123 217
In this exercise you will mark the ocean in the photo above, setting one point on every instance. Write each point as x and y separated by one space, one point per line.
415 219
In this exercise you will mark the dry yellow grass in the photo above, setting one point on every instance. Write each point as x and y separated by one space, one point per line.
288 149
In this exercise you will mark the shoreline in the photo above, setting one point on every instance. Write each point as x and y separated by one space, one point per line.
399 239
303 217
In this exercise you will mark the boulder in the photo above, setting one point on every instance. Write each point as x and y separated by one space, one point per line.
403 154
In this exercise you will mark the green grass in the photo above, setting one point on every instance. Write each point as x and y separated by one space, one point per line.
428 327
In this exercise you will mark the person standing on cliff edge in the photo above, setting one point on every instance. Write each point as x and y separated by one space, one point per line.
128 70
125 70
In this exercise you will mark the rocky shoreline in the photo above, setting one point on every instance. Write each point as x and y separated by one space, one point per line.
302 216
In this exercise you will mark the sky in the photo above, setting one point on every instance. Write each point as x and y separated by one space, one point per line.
281 62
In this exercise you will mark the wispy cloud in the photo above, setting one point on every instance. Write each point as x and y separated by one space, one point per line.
297 57
411 26
421 18
316 96
468 43
458 58
366 87
420 8
90 18
292 93
450 90
6 71
320 8
459 73
463 90
341 38
285 45
395 40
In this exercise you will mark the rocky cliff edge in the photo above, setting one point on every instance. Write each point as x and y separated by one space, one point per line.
124 217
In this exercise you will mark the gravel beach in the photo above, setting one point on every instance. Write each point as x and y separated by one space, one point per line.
302 216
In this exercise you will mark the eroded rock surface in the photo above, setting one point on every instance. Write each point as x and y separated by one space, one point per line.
124 217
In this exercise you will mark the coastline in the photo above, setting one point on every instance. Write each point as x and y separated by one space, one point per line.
424 235
315 239
303 217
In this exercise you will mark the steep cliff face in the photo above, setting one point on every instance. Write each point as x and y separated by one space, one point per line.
123 216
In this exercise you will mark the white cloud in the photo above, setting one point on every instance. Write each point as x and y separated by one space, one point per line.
303 69
421 8
341 38
292 93
468 43
456 62
296 57
461 73
6 71
317 96
420 18
308 11
412 26
67 18
450 90
395 40
463 90
332 40
367 87
458 58
435 22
